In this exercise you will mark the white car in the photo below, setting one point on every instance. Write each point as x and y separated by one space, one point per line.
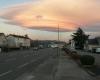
98 49
35 48
53 46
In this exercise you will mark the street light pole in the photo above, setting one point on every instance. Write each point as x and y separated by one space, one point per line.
58 42
58 32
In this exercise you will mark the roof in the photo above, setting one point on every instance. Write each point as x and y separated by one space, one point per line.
93 41
19 36
1 33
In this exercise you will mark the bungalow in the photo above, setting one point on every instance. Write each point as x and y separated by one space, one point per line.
94 44
72 44
3 41
16 41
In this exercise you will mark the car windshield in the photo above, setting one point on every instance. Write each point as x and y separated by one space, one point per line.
49 40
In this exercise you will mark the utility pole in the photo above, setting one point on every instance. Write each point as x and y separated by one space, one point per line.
58 32
58 42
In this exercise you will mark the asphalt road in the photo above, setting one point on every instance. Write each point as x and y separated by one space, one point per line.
14 64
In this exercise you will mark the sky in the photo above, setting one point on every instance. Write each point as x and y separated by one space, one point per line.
40 18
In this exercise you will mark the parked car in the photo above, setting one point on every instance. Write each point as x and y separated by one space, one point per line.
95 50
35 48
98 50
40 46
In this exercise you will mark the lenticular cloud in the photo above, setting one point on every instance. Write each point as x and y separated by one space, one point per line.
47 14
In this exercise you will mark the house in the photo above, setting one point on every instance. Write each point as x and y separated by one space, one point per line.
73 47
94 44
3 41
17 41
72 44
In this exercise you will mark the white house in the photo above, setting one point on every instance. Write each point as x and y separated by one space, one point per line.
16 41
3 41
72 45
94 44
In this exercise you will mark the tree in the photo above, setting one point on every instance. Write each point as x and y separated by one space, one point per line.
80 39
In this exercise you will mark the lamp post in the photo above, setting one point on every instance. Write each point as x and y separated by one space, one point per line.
58 42
58 32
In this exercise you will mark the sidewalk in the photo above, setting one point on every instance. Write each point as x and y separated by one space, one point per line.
66 69
69 70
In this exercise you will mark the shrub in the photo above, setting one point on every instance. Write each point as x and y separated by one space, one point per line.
87 60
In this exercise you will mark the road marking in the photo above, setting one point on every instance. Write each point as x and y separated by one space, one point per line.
23 65
5 73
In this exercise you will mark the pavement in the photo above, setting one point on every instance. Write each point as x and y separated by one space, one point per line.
60 67
95 70
70 70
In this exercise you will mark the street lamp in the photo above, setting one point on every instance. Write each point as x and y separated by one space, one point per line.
58 32
58 42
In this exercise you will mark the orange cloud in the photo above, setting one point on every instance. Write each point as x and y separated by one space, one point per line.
69 14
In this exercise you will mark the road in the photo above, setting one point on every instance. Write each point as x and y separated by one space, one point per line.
14 64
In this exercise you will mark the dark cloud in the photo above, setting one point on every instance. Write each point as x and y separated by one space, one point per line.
92 28
46 28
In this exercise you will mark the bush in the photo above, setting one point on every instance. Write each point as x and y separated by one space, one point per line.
87 60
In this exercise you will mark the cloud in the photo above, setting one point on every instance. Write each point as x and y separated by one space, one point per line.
92 27
46 28
47 14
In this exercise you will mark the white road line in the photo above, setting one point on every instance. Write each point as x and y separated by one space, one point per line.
5 73
23 65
